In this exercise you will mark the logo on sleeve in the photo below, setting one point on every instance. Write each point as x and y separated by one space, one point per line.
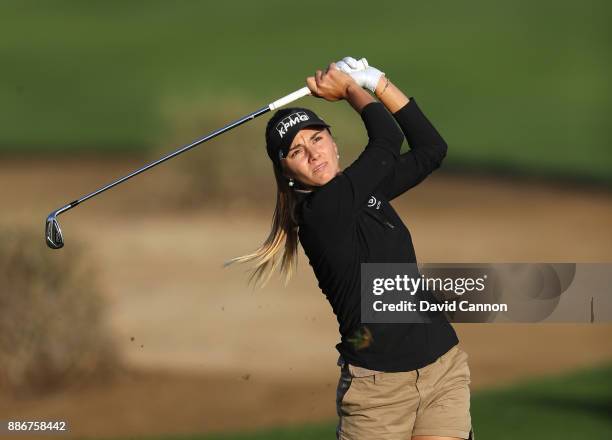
293 119
373 203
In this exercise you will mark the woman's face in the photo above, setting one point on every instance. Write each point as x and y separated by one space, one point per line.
313 157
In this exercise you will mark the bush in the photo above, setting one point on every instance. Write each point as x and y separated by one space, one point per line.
232 169
52 327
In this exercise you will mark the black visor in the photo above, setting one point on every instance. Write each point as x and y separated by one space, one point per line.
282 130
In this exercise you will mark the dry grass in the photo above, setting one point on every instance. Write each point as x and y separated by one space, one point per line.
52 326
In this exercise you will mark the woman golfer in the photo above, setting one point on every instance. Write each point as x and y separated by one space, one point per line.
397 381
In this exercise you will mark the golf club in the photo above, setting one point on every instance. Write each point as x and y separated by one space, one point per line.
53 232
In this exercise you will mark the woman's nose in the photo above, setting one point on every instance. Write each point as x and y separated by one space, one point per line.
313 153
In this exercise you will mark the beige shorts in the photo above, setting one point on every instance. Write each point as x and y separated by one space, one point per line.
434 400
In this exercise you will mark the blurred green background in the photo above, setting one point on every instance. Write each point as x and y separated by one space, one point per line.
520 86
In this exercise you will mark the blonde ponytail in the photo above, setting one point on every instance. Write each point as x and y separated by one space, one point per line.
283 237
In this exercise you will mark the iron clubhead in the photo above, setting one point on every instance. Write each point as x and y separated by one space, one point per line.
55 239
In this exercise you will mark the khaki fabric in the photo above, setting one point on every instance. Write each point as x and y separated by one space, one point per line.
434 400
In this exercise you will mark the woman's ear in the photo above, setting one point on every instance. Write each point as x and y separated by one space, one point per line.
285 171
333 140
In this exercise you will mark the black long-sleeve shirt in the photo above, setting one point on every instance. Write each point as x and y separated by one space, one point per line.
349 221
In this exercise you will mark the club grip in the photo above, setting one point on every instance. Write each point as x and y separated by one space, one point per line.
304 91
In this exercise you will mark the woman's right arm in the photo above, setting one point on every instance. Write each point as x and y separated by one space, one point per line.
351 190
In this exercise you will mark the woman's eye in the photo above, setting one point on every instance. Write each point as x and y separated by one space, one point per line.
318 138
295 153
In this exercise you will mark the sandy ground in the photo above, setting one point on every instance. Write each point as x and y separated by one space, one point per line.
204 352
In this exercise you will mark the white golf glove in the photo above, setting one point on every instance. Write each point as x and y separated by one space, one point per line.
364 75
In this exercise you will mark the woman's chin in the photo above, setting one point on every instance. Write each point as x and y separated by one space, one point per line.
323 179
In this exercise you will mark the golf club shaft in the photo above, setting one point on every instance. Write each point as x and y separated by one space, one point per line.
181 150
276 104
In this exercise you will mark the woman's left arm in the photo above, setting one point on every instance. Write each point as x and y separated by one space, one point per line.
427 147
